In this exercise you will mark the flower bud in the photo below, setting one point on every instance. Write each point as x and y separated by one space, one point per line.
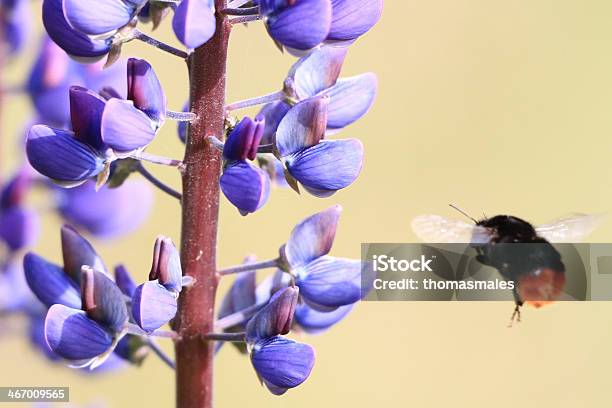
145 90
275 318
244 139
166 266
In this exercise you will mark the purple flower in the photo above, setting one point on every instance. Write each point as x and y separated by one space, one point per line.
87 311
53 284
100 17
54 72
19 226
321 166
87 337
353 18
281 363
317 74
314 321
194 22
15 296
325 282
103 131
74 42
15 23
304 24
298 24
154 303
109 212
245 185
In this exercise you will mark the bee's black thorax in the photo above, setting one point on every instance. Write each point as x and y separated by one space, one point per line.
509 229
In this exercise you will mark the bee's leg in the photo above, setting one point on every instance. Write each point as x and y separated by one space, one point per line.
516 315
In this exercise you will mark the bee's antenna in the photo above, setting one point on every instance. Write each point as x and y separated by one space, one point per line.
454 207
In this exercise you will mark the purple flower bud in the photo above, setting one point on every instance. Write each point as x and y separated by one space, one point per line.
125 128
194 22
166 266
145 90
124 281
58 155
315 322
275 318
96 17
153 306
282 363
109 212
301 24
86 109
70 40
243 141
52 74
247 187
353 18
19 228
312 238
76 252
74 336
102 300
330 282
327 167
50 283
302 127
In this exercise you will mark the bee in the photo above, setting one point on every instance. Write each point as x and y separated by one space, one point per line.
537 269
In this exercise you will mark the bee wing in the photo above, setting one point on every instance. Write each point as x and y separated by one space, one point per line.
571 228
436 229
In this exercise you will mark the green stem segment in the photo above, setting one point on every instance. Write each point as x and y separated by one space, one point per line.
195 317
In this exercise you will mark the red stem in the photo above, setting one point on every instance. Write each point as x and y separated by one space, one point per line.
195 318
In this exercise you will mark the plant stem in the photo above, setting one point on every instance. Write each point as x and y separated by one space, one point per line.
231 337
260 100
195 317
238 317
157 183
247 11
160 353
181 116
245 19
248 267
139 35
151 158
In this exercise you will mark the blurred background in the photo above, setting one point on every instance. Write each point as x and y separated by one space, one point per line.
495 106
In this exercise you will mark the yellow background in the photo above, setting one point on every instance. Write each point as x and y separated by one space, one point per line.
496 106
